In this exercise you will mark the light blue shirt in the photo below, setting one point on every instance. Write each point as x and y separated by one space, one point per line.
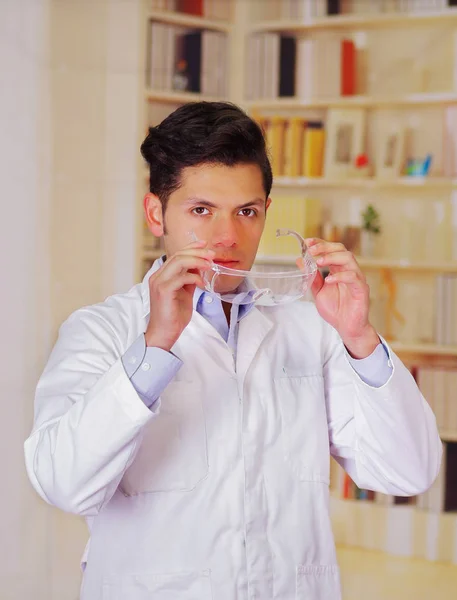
150 370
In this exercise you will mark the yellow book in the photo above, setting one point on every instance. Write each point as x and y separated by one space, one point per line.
313 155
275 141
293 146
289 212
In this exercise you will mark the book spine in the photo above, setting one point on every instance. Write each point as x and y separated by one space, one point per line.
348 67
293 146
314 144
333 7
191 7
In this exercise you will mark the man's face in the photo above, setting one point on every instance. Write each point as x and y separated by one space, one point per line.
225 206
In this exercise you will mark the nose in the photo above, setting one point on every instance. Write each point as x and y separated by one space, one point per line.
224 234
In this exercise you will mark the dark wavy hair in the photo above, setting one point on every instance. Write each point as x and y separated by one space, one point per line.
202 133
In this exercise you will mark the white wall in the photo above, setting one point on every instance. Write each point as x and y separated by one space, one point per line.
69 116
24 315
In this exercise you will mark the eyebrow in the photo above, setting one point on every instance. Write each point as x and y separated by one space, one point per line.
207 203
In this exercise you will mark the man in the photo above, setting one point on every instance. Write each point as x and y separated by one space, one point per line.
196 435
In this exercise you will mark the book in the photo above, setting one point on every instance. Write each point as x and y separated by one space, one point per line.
192 51
157 38
275 137
210 62
313 149
333 7
271 43
348 68
294 146
191 7
287 60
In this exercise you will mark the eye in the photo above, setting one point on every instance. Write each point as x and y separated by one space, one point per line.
200 210
248 212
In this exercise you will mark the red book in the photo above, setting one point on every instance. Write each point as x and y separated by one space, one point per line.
191 7
347 68
347 483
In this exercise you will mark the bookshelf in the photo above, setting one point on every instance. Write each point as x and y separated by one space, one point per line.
186 20
400 183
360 101
411 261
176 98
220 49
339 22
368 264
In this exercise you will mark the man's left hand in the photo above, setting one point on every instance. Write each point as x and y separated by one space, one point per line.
343 297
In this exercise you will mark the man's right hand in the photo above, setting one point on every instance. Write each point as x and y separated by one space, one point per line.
171 292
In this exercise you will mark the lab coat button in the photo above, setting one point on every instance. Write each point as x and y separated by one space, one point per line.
208 299
145 366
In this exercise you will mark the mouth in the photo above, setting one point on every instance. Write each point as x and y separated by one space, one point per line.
231 264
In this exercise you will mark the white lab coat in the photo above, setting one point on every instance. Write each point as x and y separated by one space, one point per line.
222 490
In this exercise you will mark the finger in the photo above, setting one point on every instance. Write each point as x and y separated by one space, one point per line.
179 265
318 280
338 259
348 277
317 284
318 246
184 280
196 244
202 252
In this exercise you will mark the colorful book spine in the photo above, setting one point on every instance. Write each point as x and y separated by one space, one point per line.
314 145
191 7
348 68
293 146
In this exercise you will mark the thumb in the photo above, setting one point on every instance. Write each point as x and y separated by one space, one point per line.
318 284
318 279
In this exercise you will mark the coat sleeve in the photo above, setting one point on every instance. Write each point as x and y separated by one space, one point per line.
385 438
88 418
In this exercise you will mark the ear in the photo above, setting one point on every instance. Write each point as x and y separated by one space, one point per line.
267 205
154 214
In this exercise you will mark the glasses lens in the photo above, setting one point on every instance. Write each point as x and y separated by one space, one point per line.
262 288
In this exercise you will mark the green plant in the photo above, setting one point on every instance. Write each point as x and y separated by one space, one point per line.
370 218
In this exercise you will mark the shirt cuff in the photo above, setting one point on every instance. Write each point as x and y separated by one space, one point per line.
374 370
150 370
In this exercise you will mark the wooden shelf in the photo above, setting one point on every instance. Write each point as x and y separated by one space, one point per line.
427 355
423 349
369 183
385 528
359 22
405 265
372 264
176 97
448 436
422 99
185 20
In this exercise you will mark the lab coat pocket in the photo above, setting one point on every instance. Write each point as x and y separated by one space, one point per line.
173 452
185 585
304 425
318 582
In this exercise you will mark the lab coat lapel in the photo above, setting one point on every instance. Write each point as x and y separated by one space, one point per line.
253 330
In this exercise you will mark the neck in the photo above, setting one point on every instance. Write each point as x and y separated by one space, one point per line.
227 308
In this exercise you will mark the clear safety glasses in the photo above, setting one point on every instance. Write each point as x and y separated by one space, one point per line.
262 287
